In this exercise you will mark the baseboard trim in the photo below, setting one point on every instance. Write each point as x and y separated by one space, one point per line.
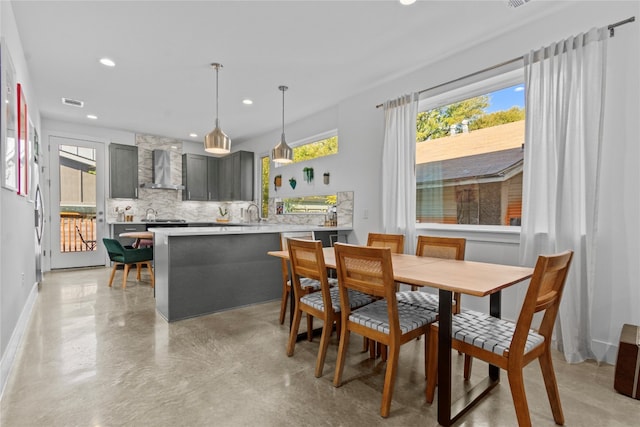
8 358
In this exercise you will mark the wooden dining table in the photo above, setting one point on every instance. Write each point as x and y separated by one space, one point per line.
478 279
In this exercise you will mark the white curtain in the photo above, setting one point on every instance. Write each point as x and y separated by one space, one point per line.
564 115
399 170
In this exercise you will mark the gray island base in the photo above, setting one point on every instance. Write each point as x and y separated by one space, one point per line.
204 270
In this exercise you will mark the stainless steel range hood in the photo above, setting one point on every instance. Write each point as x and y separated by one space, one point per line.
162 172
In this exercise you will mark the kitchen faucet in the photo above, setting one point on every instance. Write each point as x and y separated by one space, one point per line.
257 212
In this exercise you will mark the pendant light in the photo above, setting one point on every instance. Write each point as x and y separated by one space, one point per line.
282 153
216 141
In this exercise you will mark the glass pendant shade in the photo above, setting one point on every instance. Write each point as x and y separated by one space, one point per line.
282 153
216 141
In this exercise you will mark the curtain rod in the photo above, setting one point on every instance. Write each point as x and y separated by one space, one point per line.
511 61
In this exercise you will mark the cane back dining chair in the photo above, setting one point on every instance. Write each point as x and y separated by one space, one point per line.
308 285
128 256
435 247
396 243
369 270
513 345
307 261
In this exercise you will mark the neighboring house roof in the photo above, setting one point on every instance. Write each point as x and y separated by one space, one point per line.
486 167
496 138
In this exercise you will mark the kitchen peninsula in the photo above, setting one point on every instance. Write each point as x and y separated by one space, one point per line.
202 270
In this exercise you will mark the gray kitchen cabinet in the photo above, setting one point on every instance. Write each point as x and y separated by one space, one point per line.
213 164
194 177
123 171
225 178
236 176
126 228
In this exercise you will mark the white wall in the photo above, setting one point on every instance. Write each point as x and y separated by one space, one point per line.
360 130
18 286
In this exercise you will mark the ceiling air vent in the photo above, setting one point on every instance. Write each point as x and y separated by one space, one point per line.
517 3
73 102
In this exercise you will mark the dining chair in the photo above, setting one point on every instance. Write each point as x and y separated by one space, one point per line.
89 244
308 285
128 256
369 270
307 261
396 243
437 247
513 345
382 240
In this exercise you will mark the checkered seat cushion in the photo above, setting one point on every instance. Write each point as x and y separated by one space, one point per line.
419 299
375 316
356 299
488 332
312 284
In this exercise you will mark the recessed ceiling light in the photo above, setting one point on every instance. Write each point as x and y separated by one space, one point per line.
193 135
107 62
407 2
92 116
247 101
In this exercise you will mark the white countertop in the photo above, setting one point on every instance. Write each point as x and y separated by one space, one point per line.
240 229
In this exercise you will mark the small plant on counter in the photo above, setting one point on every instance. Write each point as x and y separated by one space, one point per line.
223 212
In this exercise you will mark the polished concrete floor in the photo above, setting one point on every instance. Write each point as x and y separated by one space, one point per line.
95 356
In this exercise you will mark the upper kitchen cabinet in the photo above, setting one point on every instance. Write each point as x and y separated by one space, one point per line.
235 174
194 177
123 171
213 166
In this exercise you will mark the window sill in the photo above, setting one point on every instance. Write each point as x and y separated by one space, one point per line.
480 233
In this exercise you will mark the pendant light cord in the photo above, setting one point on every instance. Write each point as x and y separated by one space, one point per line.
217 70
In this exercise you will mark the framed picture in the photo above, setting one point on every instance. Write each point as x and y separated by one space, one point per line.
23 144
8 130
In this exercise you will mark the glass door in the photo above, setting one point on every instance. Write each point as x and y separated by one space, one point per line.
77 203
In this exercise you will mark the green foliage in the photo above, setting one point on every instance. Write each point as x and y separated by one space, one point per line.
514 114
320 148
265 186
437 122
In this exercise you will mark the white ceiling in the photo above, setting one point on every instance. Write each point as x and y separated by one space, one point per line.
324 51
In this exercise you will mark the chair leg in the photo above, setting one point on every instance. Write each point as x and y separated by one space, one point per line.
432 361
327 329
151 276
516 383
552 386
124 276
309 327
342 355
293 334
138 270
468 361
389 379
113 273
283 303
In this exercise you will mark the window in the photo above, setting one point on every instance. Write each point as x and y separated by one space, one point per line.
264 186
470 155
314 147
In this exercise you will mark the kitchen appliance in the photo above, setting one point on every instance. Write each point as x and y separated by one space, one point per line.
161 172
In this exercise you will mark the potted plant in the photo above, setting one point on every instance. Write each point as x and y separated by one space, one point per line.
223 214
